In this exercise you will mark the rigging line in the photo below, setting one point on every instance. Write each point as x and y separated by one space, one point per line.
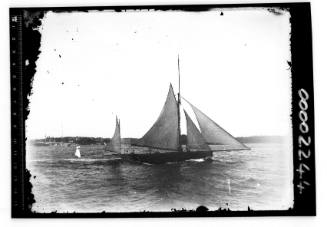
179 103
186 100
179 78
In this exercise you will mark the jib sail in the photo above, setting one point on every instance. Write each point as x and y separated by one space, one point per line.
195 141
214 134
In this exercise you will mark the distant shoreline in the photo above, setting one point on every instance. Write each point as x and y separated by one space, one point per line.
103 141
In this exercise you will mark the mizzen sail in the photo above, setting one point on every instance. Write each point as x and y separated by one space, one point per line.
214 134
115 143
164 133
195 140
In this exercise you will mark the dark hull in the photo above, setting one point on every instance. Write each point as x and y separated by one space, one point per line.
159 158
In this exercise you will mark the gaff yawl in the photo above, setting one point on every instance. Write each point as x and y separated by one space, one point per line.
162 143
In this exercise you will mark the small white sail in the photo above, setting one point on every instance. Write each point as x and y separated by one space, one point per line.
77 152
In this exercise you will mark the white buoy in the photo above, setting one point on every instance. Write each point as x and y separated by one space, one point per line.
77 152
229 188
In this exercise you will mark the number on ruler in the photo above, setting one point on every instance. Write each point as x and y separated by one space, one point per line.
14 19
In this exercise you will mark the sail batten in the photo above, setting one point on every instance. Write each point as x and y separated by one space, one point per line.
195 140
214 134
164 133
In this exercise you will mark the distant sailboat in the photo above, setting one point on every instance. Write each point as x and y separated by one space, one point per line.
77 152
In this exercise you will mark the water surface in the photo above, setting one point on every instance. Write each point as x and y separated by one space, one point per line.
260 178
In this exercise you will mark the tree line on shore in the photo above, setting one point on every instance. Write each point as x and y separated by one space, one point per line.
103 141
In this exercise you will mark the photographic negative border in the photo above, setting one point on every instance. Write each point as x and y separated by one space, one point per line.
25 44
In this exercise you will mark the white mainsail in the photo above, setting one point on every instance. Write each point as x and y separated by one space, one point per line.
195 140
164 133
216 135
115 143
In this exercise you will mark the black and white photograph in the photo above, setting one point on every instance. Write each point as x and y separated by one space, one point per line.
164 110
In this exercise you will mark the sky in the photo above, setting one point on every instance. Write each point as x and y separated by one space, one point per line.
96 65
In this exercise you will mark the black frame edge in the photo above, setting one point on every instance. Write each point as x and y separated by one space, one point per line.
302 77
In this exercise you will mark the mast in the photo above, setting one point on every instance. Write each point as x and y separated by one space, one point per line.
178 105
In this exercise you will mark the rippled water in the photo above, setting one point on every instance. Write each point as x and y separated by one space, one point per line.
260 178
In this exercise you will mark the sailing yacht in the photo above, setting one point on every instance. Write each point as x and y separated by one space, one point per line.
162 142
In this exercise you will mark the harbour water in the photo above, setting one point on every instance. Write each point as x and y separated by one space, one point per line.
260 178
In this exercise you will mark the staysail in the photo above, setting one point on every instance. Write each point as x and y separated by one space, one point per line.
195 140
115 143
164 133
216 135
